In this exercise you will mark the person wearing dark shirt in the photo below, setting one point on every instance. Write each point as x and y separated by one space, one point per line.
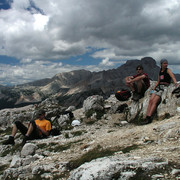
164 79
138 83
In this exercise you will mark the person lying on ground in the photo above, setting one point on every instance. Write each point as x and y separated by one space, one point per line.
37 129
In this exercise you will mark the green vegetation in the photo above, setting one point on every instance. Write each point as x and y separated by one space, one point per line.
59 148
27 92
54 176
7 131
62 175
78 133
109 131
66 135
99 113
138 119
2 168
38 176
11 150
141 174
129 148
54 147
89 121
68 127
166 116
98 152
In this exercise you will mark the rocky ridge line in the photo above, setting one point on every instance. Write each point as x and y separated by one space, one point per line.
104 146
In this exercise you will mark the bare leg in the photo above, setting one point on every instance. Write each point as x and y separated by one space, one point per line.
14 131
152 104
151 108
130 85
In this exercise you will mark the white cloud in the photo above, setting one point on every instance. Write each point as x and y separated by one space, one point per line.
106 62
29 71
49 30
67 27
26 60
40 22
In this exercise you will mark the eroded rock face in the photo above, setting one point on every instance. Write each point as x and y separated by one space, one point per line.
8 116
95 102
28 149
119 167
167 107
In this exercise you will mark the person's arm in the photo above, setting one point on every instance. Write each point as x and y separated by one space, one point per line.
172 76
128 79
138 78
43 131
157 83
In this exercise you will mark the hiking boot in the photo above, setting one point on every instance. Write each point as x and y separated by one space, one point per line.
9 141
24 140
148 120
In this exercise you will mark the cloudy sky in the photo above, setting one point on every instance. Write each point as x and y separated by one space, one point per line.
40 38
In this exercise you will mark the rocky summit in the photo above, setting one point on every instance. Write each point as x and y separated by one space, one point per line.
72 88
102 140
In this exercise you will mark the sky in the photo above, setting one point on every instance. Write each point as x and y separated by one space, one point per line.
39 39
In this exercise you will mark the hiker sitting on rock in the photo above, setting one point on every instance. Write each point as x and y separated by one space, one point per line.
164 79
138 83
37 129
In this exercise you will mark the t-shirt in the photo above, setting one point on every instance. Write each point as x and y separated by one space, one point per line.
146 79
44 124
164 77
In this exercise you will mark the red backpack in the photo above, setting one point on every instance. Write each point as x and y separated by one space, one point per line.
123 95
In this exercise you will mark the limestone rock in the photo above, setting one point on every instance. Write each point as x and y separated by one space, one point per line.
16 162
28 149
175 171
93 102
117 166
167 106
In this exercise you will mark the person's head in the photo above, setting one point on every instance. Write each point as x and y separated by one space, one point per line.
164 63
139 69
41 114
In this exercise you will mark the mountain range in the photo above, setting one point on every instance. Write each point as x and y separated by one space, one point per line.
72 88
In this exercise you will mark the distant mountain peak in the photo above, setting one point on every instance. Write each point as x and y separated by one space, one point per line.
71 88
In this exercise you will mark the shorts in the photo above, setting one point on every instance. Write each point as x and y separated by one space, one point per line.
159 90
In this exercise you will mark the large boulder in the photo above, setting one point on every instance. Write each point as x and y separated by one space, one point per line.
23 114
95 102
167 107
119 167
28 149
